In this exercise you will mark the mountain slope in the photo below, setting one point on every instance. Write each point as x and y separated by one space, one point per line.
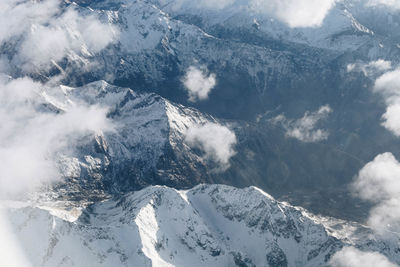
148 146
271 80
260 73
208 225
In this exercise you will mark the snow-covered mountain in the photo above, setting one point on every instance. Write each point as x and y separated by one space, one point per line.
94 216
262 67
210 225
247 51
148 147
180 37
131 196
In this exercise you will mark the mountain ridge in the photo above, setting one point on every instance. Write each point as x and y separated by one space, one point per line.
161 226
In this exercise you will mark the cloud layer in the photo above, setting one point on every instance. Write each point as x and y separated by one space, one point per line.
42 33
35 36
216 141
352 257
199 83
11 253
31 137
304 129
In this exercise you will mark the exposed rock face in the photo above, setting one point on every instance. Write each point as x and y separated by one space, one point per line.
149 147
211 225
107 211
146 147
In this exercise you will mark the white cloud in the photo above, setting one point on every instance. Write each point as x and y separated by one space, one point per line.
379 182
17 16
40 33
388 85
199 83
216 141
295 13
352 257
304 129
43 32
371 68
31 138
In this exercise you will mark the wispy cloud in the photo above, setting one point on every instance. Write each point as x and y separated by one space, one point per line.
216 141
305 129
372 68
